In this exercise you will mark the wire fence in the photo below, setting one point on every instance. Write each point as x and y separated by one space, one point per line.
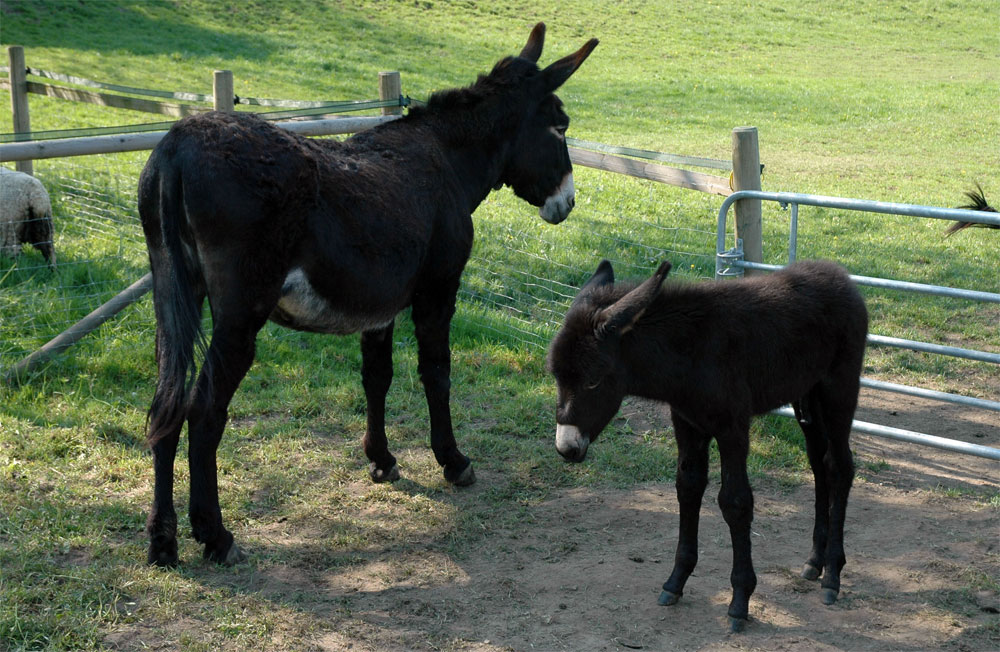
519 281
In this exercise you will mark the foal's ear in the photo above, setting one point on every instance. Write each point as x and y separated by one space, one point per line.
621 316
533 48
604 275
556 74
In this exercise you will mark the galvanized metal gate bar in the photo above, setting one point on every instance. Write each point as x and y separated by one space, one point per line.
899 434
729 262
875 282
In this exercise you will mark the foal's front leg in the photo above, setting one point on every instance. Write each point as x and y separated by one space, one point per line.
692 478
376 376
432 314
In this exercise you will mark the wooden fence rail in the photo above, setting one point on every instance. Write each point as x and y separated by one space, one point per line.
746 167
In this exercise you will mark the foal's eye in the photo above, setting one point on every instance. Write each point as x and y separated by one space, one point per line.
559 131
594 384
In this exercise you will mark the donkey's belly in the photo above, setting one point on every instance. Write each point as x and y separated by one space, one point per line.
302 308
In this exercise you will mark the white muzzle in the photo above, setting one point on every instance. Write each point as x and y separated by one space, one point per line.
558 205
571 443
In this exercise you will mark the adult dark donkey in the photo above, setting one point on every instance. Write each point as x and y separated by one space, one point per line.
330 237
720 353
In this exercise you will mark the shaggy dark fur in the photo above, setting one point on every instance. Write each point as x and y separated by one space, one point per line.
720 353
330 237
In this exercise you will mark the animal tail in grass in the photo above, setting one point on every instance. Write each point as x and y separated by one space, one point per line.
177 297
977 202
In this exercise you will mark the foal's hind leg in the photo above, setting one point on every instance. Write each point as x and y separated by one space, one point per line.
816 447
376 376
828 446
226 363
432 312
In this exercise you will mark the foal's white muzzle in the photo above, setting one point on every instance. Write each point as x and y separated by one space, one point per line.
571 443
558 205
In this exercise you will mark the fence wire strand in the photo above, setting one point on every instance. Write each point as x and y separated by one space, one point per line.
520 279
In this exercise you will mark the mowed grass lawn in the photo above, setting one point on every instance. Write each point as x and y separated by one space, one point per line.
896 101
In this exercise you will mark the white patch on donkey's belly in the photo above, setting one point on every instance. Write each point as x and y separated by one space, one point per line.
302 307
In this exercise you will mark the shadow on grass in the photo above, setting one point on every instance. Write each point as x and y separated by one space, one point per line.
142 30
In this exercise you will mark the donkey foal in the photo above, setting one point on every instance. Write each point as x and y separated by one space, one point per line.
720 353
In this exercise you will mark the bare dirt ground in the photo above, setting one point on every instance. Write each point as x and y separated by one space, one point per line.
920 540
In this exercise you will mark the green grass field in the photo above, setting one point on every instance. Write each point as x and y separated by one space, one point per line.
895 101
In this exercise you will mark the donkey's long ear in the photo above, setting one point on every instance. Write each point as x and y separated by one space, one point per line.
621 316
533 48
556 74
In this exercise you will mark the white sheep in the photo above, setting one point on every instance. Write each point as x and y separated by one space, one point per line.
25 215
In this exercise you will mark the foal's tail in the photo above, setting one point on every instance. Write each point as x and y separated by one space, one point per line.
177 297
977 202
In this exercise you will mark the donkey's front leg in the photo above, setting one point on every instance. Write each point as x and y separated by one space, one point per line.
376 376
692 478
432 314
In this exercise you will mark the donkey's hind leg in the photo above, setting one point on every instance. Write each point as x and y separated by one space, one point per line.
376 376
827 429
165 430
227 361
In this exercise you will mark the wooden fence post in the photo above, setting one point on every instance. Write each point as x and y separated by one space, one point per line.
746 176
19 99
223 98
390 88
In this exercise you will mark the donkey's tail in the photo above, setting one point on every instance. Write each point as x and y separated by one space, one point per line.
177 297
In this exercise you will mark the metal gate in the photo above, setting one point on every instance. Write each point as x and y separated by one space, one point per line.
730 263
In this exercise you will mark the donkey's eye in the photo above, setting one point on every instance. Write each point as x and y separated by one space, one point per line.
559 131
594 384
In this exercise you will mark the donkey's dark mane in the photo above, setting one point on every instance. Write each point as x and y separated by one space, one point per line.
509 73
489 106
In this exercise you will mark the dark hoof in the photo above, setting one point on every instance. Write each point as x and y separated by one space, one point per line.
737 625
830 596
164 558
379 476
667 598
232 557
464 478
810 572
